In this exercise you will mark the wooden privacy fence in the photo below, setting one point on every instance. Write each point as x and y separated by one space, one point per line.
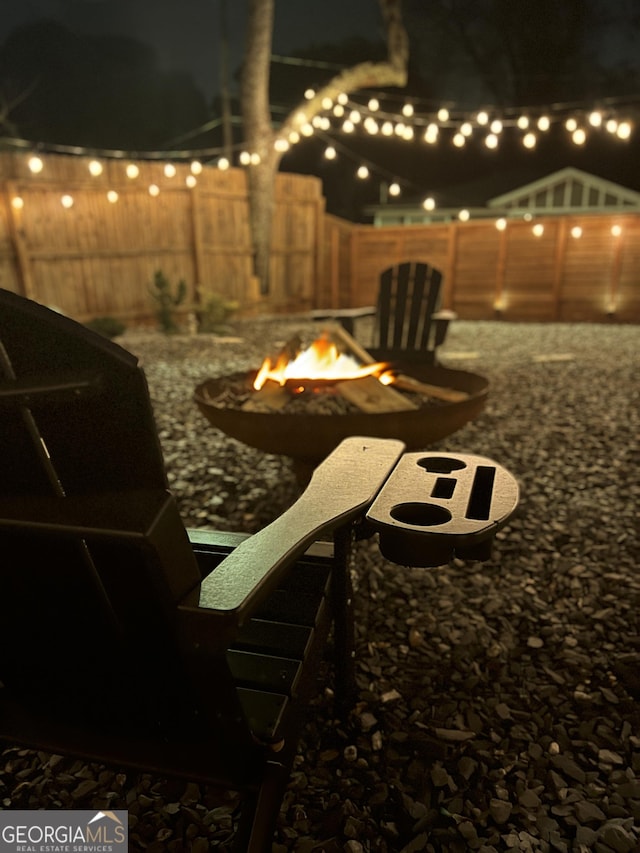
97 256
564 268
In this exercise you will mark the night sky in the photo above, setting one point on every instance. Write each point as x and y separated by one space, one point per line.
185 33
185 36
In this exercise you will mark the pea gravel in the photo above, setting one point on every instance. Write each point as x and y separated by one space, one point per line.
498 704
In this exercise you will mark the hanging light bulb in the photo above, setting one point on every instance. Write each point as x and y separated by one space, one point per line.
67 201
459 140
496 126
330 153
373 105
343 98
307 129
429 203
362 172
408 133
482 118
327 103
466 128
523 122
387 128
491 141
431 133
407 110
294 137
17 202
571 124
169 170
254 159
348 126
196 167
501 223
538 229
595 118
338 110
154 190
624 130
394 189
35 165
95 168
281 145
529 140
616 230
443 114
132 170
544 123
309 93
464 216
579 137
355 116
112 196
576 232
223 164
191 181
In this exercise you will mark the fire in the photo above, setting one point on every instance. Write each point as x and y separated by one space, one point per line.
321 360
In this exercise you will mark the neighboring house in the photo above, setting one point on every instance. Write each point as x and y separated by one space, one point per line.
565 191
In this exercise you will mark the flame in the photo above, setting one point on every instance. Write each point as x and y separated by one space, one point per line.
321 360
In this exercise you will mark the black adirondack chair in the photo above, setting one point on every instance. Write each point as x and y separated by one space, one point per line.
409 325
125 638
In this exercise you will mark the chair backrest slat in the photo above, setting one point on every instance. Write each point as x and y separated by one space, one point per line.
408 296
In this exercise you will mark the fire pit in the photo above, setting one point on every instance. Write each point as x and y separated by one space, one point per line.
424 404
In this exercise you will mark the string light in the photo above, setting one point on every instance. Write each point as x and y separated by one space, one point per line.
223 164
330 153
191 181
394 189
170 170
464 215
501 223
95 168
154 190
196 167
429 203
112 196
362 173
616 230
538 229
17 202
67 201
576 232
36 165
132 170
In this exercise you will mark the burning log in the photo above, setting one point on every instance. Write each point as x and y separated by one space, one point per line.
400 380
370 395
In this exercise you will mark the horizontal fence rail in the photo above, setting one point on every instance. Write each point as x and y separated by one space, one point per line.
90 244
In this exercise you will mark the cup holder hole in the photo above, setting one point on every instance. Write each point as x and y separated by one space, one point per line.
420 514
441 464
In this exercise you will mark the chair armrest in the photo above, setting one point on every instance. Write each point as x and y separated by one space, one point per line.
341 488
441 320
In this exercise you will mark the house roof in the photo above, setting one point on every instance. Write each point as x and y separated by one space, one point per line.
535 191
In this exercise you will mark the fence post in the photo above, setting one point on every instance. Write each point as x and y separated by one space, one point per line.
16 232
558 269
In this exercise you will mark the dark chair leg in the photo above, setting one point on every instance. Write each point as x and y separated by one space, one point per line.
344 636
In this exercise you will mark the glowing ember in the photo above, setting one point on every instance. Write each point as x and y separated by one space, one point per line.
321 360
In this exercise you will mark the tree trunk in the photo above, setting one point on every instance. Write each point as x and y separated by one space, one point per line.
256 116
259 134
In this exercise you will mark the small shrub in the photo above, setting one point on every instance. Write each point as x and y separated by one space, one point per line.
110 327
167 301
213 311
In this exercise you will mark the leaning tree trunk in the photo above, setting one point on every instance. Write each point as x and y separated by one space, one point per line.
259 134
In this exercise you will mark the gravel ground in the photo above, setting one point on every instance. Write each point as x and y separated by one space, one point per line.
498 703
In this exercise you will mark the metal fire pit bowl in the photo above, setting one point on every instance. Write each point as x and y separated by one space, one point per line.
308 439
